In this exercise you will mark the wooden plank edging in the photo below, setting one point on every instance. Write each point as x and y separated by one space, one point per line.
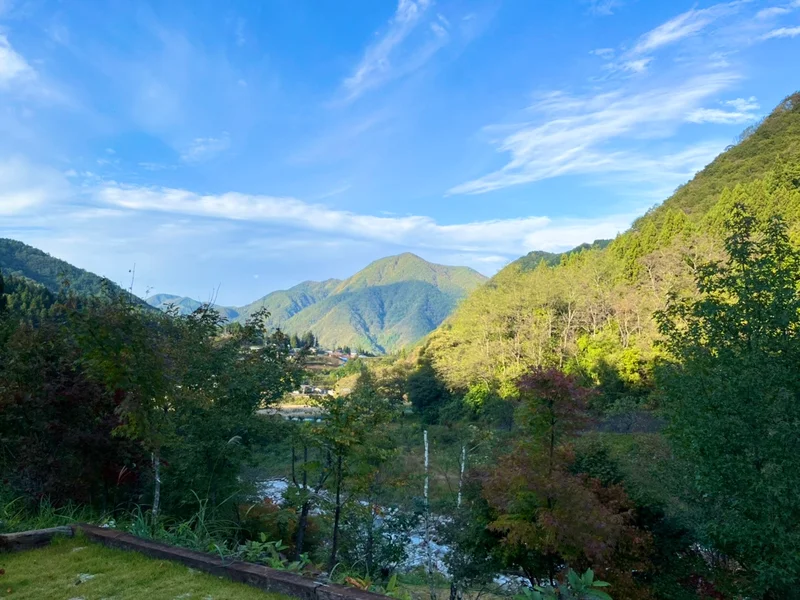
27 540
265 578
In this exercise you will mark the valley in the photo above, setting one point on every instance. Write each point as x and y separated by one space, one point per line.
506 300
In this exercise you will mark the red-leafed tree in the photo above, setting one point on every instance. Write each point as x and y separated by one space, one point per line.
550 518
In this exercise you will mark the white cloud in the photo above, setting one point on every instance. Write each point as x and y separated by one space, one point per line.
647 90
782 32
604 53
202 149
13 67
510 236
24 187
743 111
572 134
773 11
716 115
744 104
604 7
684 25
20 79
385 60
637 66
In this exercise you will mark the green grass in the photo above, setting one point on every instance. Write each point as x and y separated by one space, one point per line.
55 572
17 515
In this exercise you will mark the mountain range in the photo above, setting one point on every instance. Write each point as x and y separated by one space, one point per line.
390 304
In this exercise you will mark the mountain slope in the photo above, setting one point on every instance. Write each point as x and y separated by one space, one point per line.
391 303
592 312
284 304
775 141
379 318
21 260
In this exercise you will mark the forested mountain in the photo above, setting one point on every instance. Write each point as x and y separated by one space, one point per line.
283 304
21 260
592 312
390 304
393 302
377 318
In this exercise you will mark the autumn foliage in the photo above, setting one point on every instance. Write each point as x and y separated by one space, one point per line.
550 518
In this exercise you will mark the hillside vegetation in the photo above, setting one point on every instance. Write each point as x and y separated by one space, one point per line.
21 260
591 312
532 259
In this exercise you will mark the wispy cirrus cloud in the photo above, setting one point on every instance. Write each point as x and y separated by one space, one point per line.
782 32
604 53
203 149
604 7
571 135
641 97
638 58
739 110
392 54
684 25
13 67
773 11
25 187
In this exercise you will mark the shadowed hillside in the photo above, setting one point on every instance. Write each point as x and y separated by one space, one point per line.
25 261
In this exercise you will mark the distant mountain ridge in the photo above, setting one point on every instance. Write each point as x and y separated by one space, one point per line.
391 303
186 305
284 304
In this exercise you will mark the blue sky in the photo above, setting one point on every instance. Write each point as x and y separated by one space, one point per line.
253 145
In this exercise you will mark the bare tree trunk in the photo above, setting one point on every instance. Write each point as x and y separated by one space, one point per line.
455 588
157 482
428 549
461 473
455 592
370 549
337 515
302 523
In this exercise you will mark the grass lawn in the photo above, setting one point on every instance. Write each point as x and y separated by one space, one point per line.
72 569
